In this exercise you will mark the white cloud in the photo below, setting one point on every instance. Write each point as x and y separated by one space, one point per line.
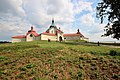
87 19
16 16
80 6
13 7
43 11
12 25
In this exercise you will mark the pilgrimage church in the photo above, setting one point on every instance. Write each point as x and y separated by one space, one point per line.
52 33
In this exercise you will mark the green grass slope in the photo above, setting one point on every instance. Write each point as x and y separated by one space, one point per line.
42 60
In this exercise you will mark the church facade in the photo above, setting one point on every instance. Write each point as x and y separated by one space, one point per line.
52 33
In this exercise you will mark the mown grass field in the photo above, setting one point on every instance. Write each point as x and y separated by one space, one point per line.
42 60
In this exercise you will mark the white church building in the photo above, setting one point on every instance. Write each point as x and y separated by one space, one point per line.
52 33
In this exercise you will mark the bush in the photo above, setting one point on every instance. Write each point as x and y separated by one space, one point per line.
114 53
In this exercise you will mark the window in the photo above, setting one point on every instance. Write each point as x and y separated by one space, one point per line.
31 35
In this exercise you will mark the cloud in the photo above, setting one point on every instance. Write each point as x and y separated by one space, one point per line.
80 6
13 7
12 25
16 16
61 10
87 19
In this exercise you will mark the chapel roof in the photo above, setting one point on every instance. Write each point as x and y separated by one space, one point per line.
45 33
74 34
32 31
20 36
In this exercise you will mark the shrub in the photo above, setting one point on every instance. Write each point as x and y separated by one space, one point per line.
114 53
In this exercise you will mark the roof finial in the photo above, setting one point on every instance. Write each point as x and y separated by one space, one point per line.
31 28
52 20
78 31
59 28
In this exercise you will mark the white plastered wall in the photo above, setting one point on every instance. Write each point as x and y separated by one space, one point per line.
52 31
29 38
72 37
18 40
60 34
46 37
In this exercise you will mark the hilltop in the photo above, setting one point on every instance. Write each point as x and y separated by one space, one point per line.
42 60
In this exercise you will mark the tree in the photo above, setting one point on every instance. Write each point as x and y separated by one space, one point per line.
110 10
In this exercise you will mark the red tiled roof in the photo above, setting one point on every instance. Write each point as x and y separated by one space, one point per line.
34 33
21 36
45 33
59 31
29 32
72 34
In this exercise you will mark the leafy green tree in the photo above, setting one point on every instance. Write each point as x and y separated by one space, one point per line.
110 10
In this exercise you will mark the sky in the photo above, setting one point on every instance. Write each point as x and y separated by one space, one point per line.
17 16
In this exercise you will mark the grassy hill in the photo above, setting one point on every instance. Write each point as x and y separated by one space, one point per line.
42 60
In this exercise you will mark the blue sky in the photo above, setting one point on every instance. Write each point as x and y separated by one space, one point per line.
17 16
